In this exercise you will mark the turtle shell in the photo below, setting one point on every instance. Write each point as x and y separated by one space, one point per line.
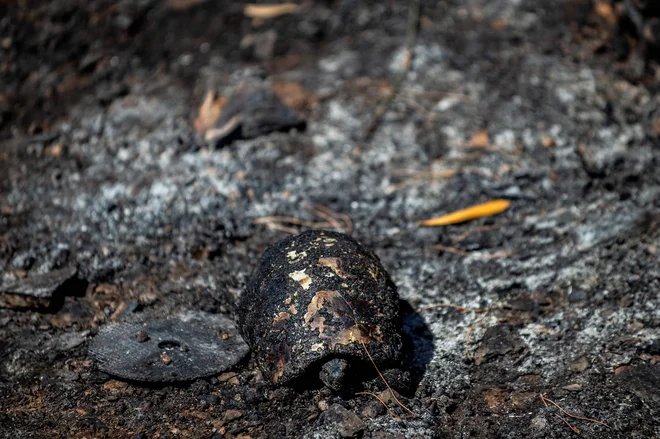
315 296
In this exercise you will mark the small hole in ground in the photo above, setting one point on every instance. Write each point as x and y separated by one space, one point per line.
451 408
169 344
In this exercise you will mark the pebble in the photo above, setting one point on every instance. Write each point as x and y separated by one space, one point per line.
539 423
230 415
347 423
141 337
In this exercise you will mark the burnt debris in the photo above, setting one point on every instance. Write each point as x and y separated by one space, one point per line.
161 350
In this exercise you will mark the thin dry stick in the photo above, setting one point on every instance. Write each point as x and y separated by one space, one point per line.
325 213
394 415
347 220
544 399
282 228
469 332
290 220
348 223
395 187
572 427
413 22
418 177
453 250
457 251
435 92
441 173
329 215
414 103
385 381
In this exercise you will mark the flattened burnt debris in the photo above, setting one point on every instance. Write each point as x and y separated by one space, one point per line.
165 350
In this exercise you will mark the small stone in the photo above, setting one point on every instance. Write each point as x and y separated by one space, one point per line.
498 341
373 410
323 405
577 296
654 347
573 387
579 365
230 415
141 336
166 359
227 376
115 386
208 400
70 340
539 423
347 423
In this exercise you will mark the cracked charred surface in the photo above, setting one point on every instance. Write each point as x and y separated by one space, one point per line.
317 296
103 161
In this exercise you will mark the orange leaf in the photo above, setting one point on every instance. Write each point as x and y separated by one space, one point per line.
605 10
209 112
486 209
270 11
480 139
293 94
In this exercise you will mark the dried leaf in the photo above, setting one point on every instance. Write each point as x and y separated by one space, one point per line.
270 11
604 10
486 209
480 139
655 126
292 94
209 112
499 24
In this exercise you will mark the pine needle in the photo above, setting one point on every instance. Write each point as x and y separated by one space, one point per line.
270 11
546 400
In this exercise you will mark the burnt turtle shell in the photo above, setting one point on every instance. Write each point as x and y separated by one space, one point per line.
317 300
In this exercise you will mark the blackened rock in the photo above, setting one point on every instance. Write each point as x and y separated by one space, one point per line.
498 341
253 110
180 348
317 297
345 422
38 290
644 381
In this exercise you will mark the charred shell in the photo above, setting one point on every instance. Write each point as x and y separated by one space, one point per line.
316 297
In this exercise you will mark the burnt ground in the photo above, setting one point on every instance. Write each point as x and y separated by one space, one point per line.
105 178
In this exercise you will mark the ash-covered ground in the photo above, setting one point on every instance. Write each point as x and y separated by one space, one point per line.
112 205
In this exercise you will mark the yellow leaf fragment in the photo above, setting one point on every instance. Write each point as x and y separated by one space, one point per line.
480 139
605 10
480 210
209 112
270 11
